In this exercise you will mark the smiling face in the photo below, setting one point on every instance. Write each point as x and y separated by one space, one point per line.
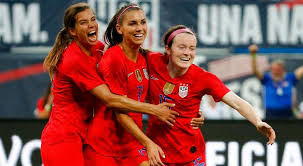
133 28
182 51
85 31
277 71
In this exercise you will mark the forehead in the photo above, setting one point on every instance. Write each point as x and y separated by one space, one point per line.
85 14
185 38
277 66
135 14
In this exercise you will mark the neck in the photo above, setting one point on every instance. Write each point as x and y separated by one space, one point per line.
86 50
130 52
276 79
175 72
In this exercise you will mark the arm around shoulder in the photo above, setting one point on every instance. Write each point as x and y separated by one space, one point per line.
126 104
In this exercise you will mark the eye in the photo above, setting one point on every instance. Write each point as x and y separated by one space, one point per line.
131 23
93 18
181 47
83 22
143 22
192 48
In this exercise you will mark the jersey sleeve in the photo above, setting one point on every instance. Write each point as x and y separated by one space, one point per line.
83 72
265 78
292 77
113 71
215 87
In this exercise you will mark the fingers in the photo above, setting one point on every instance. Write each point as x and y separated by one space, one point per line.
168 104
269 132
161 152
175 113
169 123
253 48
155 160
271 137
197 122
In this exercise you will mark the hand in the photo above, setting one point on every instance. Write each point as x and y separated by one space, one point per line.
166 115
267 130
253 49
196 123
154 152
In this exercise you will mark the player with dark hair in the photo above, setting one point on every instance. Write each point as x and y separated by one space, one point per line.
174 78
72 67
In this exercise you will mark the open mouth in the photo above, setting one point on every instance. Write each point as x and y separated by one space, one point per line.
92 36
92 33
185 59
138 35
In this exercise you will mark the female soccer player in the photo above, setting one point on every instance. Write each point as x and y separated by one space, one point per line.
72 66
174 78
124 69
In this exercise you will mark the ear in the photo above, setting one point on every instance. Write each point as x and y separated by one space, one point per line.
118 28
167 50
72 32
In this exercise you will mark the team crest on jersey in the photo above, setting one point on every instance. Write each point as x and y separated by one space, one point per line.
183 90
146 74
168 88
138 75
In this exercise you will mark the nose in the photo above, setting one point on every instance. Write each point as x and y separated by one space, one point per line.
139 27
91 24
187 51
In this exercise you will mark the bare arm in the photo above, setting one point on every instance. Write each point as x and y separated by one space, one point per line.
299 72
153 150
247 111
253 53
129 105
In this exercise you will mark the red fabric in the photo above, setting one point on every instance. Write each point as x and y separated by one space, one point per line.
177 141
92 158
40 106
72 104
63 153
200 161
119 73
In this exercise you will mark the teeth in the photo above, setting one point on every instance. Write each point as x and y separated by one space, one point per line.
92 32
184 59
140 35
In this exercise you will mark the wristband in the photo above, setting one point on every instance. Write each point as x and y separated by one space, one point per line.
47 107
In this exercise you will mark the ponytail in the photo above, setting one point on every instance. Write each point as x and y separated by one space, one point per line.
111 35
62 41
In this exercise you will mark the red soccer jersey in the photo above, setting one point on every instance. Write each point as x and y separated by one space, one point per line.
76 74
123 77
180 143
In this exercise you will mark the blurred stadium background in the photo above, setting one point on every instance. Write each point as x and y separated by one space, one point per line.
225 28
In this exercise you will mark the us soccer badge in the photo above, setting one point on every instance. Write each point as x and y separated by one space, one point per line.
168 88
138 75
183 90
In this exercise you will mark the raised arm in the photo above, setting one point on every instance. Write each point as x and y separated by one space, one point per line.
253 49
299 72
153 150
129 105
247 111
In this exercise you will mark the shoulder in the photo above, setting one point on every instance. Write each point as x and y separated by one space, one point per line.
71 56
97 50
155 57
113 55
198 71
